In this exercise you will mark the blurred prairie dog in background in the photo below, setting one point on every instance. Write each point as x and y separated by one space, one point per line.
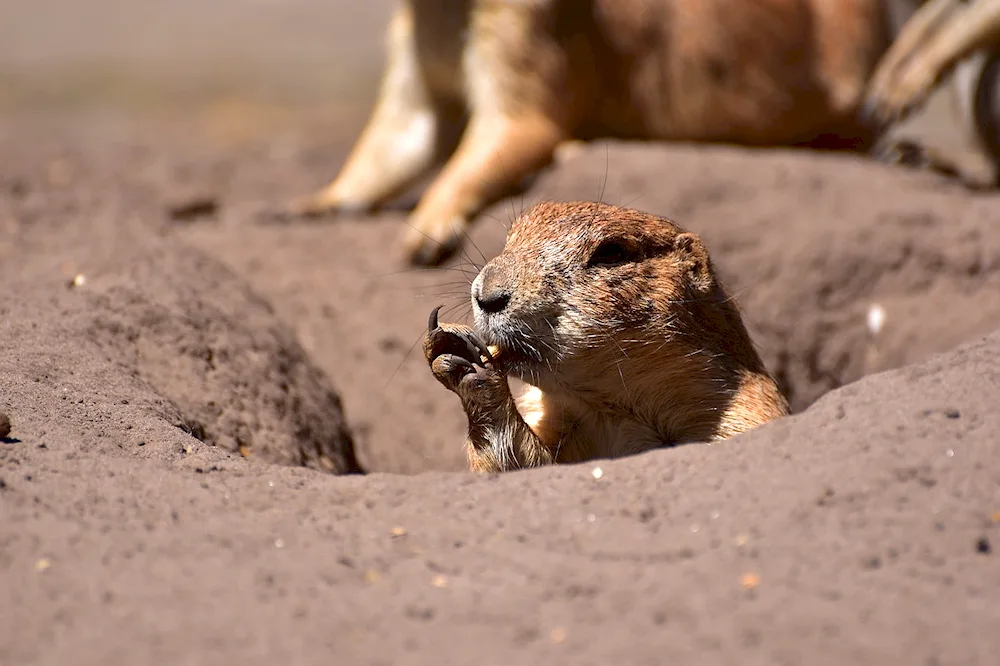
491 89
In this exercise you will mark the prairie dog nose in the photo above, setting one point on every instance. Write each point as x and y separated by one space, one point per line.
490 296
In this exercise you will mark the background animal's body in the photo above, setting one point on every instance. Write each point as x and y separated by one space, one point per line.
493 87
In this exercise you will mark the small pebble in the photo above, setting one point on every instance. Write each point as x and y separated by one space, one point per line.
983 546
4 425
876 318
43 564
750 581
439 581
597 472
398 531
193 208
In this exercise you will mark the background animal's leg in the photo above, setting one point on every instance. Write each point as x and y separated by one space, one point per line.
400 141
495 154
499 439
898 91
912 35
521 107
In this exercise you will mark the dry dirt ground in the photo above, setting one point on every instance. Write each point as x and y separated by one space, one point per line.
182 383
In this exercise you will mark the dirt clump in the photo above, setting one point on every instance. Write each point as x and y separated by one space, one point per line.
171 332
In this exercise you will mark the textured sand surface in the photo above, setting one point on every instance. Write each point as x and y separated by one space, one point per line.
863 529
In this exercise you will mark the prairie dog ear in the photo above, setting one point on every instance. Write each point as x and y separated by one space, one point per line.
693 255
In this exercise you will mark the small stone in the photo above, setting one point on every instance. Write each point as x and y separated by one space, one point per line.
439 581
4 425
193 208
43 564
875 319
597 472
750 581
398 531
983 546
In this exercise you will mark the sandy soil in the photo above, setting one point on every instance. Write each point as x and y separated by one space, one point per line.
166 493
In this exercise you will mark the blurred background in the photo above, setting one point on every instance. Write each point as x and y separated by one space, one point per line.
239 66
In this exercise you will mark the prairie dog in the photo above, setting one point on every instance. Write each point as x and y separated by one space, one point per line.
619 325
493 87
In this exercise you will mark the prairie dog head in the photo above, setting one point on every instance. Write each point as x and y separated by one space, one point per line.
610 306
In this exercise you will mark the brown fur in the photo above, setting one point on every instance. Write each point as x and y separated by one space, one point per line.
493 87
533 74
641 349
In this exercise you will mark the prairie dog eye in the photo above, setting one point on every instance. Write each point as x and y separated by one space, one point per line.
612 253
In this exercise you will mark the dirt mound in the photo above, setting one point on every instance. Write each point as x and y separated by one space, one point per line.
864 529
172 337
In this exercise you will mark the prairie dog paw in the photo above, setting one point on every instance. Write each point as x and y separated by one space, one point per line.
457 356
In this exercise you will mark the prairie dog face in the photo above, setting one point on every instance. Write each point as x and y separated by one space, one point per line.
586 297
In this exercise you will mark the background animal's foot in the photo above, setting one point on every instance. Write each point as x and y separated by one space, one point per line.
904 152
972 172
458 358
893 102
431 244
321 204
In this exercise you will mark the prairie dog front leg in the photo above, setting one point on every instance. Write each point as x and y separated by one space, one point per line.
499 440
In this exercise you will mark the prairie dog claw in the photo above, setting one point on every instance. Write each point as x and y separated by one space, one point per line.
455 339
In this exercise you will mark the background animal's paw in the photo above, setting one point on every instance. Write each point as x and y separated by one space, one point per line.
455 353
319 204
902 152
893 102
432 244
